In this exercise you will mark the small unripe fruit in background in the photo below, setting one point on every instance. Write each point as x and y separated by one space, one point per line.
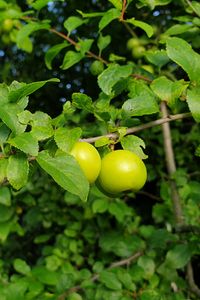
133 42
138 52
5 39
96 67
7 25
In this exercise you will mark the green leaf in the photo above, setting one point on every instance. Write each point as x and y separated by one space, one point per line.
178 29
168 90
108 17
109 77
103 42
151 294
66 172
5 213
5 229
153 3
24 117
4 133
90 15
84 46
4 93
120 210
3 169
26 30
65 138
52 52
110 280
148 265
146 27
121 245
102 141
71 58
182 53
100 205
5 197
17 170
196 7
134 144
25 142
179 256
142 102
45 276
158 58
21 266
27 89
82 101
72 23
39 4
41 126
116 3
193 100
8 114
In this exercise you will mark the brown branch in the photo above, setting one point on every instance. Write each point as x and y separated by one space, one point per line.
190 277
137 76
123 11
74 43
171 166
178 214
124 262
140 127
187 229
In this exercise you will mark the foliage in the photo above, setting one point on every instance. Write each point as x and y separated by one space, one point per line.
61 238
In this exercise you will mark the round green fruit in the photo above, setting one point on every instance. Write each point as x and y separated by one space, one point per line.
7 25
122 170
133 42
96 67
88 158
138 52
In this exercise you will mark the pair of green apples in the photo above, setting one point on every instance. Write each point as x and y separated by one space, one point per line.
117 171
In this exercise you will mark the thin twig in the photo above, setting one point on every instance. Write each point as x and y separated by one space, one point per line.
123 11
187 229
140 127
171 166
74 43
192 7
178 214
124 262
190 276
129 29
138 76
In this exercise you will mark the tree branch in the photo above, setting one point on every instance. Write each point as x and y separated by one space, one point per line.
190 276
171 166
123 11
124 262
74 43
140 127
